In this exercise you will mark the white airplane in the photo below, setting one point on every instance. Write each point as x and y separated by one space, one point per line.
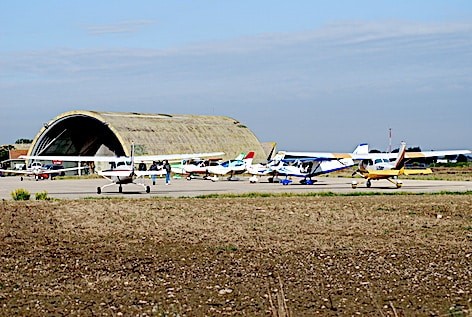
375 166
40 171
123 169
194 167
231 167
309 164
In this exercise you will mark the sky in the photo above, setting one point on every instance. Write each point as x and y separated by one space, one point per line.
309 75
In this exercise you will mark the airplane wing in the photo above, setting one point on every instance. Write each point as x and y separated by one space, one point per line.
17 171
42 171
313 156
175 157
71 158
435 153
409 155
417 171
145 158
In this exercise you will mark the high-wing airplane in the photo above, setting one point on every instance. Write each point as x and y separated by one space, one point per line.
310 164
375 166
40 171
231 167
123 169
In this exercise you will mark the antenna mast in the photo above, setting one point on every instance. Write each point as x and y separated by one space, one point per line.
390 140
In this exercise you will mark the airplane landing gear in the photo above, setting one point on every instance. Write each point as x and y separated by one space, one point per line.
99 190
368 183
253 179
148 189
354 184
120 189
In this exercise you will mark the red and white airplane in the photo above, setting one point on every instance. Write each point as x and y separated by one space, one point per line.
123 169
40 171
231 167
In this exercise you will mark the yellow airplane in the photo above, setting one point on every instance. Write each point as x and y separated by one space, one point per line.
378 166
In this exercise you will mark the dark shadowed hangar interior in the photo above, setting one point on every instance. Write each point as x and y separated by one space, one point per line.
91 133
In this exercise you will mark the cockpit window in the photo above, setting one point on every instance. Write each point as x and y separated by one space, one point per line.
378 161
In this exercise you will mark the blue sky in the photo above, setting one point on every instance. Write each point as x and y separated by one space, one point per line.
309 75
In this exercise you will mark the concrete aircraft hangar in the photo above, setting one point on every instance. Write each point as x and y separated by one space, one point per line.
90 133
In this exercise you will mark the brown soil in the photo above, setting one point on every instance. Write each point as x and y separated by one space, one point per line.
271 256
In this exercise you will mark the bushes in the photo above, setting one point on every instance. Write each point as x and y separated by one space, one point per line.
23 194
20 194
42 196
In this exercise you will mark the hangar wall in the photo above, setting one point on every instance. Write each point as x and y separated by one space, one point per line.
111 133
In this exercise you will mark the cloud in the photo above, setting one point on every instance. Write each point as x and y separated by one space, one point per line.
307 80
118 28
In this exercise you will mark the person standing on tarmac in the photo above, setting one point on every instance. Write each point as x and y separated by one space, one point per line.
153 167
168 169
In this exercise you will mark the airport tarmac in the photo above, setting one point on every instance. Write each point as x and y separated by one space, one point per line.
87 188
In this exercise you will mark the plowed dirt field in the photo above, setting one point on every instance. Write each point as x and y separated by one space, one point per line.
407 255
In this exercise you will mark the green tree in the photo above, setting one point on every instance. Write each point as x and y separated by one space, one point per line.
4 152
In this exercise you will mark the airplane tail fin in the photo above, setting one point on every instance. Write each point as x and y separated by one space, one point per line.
401 156
240 157
362 148
248 158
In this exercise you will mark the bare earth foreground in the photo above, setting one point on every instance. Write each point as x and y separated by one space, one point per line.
407 255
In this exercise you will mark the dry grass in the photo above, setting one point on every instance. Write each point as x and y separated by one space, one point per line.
279 256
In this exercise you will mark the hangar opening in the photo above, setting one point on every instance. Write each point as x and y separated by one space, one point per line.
77 135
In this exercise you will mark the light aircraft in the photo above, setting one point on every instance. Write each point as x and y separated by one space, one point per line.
310 164
231 167
40 171
193 167
375 166
123 169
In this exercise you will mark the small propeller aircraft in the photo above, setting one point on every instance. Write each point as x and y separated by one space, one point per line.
231 167
123 169
310 164
375 166
196 166
40 171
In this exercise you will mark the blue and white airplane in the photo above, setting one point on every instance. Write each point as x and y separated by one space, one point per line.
310 164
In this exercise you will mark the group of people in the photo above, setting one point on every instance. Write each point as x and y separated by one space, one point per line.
155 166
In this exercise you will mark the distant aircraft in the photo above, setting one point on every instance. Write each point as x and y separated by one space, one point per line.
231 167
375 166
192 168
310 164
123 169
40 171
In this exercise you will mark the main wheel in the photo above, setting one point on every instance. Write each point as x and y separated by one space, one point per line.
148 189
120 189
99 190
368 183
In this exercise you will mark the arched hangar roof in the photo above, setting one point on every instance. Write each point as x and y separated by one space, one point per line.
111 133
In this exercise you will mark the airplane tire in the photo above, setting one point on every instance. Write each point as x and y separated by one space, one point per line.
120 189
368 183
148 189
354 186
99 190
399 185
21 178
